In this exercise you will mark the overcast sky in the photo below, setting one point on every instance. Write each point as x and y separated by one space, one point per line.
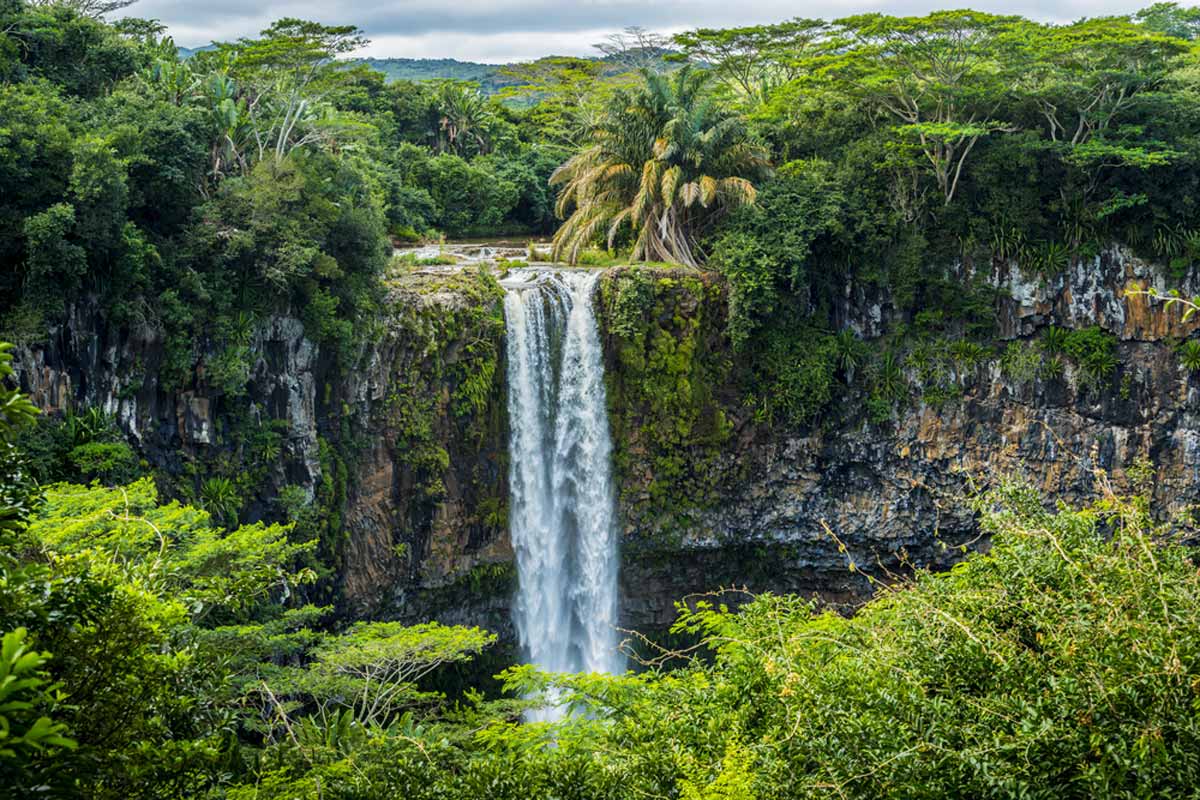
514 30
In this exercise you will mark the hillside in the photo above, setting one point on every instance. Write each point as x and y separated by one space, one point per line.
418 69
431 69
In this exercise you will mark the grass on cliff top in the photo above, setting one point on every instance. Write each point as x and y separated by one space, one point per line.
476 284
611 258
411 260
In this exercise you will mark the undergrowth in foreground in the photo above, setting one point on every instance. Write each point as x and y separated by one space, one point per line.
1063 663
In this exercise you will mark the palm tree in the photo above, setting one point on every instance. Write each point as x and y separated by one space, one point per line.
464 118
665 160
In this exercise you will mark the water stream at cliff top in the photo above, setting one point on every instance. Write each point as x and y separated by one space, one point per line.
562 510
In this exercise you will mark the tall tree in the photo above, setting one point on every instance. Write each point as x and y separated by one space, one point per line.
754 60
1171 19
567 93
1084 76
940 79
634 49
464 118
1087 81
284 78
667 162
89 8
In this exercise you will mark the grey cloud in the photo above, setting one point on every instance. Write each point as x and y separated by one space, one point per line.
530 27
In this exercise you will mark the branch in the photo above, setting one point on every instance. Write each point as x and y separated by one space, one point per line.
1190 305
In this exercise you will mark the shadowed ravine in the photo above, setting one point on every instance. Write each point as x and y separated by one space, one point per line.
563 509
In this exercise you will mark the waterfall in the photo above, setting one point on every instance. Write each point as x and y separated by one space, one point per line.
562 510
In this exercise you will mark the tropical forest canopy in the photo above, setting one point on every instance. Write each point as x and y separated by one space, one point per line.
152 648
194 196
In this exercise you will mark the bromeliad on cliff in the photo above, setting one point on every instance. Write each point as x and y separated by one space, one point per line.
667 161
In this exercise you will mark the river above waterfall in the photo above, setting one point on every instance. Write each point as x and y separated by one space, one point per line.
467 252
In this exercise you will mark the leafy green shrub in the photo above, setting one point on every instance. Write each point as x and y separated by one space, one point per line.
1048 258
56 265
26 694
229 369
1051 368
1063 663
797 373
219 496
1179 246
109 462
879 410
942 367
410 210
295 503
766 248
1178 267
1021 361
751 271
1094 351
849 352
23 325
127 595
968 354
629 303
79 447
1007 241
887 379
324 323
1189 355
1054 340
466 196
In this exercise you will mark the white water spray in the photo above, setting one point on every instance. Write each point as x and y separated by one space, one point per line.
562 514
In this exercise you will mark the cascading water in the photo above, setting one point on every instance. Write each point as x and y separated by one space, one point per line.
562 514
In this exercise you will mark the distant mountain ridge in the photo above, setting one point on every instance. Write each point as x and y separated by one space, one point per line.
418 69
488 76
187 52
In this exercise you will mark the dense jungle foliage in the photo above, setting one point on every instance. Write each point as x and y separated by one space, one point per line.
155 649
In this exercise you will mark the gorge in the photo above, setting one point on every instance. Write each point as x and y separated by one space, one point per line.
410 447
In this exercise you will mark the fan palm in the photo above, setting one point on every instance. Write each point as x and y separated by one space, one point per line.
666 161
464 118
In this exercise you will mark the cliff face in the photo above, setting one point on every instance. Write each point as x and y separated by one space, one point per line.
399 455
770 508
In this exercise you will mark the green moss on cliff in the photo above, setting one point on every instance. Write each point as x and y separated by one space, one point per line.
670 428
457 322
330 502
446 403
